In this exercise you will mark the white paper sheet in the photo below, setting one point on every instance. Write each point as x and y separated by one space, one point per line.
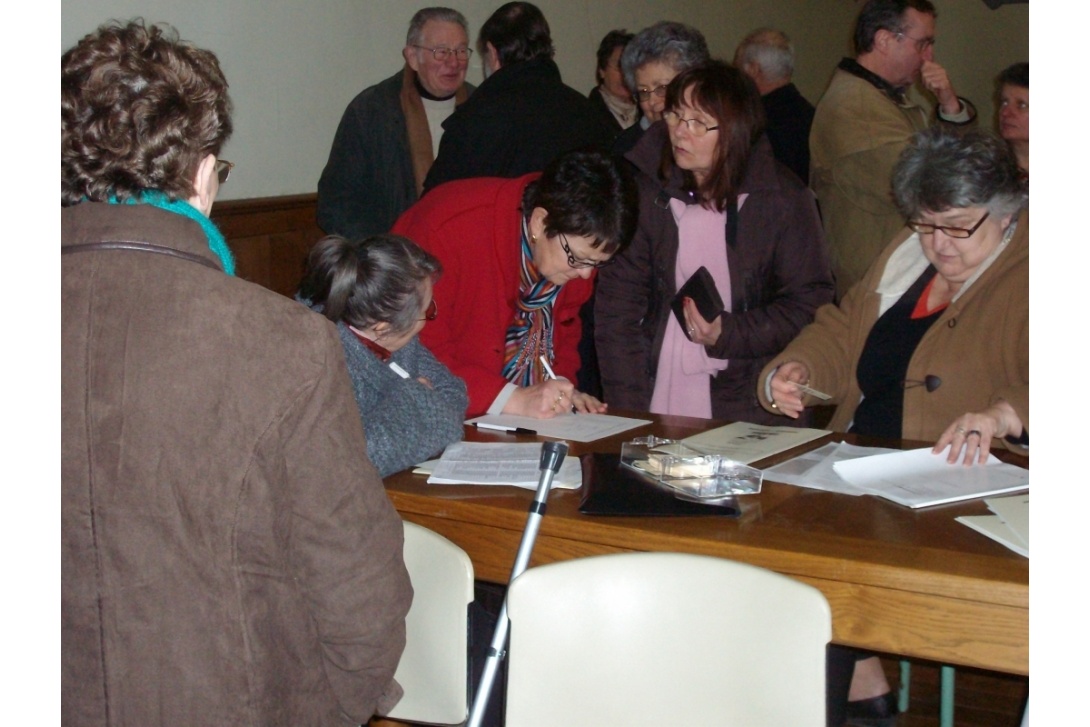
814 469
918 478
489 463
572 427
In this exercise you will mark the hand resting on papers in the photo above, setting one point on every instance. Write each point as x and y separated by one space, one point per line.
974 431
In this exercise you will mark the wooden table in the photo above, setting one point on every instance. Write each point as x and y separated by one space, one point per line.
909 582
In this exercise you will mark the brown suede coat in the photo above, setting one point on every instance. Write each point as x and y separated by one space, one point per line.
228 554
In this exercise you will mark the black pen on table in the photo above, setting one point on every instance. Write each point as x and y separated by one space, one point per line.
552 375
503 428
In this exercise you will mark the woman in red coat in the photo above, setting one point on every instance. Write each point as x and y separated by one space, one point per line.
519 257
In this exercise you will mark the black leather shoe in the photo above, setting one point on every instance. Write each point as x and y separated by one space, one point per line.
880 711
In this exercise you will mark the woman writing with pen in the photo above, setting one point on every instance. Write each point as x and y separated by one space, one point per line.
519 258
379 293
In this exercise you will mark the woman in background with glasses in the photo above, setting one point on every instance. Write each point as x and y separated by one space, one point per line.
379 293
933 343
649 62
520 256
712 196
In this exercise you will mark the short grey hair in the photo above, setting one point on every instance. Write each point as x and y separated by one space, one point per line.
771 50
363 282
677 45
942 169
442 15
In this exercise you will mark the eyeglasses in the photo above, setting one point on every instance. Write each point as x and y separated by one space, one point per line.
643 93
223 170
432 312
578 263
959 232
696 127
922 44
442 53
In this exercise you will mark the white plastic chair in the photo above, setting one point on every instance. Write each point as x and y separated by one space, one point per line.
665 638
433 667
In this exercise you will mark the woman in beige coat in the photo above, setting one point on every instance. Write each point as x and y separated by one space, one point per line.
933 343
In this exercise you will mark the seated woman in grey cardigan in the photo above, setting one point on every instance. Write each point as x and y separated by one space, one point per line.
379 293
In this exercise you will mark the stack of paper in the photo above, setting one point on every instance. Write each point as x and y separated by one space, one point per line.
486 463
918 478
1009 525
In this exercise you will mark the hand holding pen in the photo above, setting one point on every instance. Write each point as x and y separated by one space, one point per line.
576 401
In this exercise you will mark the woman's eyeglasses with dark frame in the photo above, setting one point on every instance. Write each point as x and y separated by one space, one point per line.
696 127
577 263
960 233
223 170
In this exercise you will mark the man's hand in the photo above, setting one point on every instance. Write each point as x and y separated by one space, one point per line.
937 82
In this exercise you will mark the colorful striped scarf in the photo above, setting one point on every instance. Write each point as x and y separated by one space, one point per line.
531 334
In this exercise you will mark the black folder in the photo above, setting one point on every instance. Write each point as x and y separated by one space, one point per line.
610 489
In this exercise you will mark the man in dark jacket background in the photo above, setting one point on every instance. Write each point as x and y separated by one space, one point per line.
522 116
389 134
767 56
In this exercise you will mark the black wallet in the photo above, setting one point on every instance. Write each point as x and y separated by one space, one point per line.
701 288
610 489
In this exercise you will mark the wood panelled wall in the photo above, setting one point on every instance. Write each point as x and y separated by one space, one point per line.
270 238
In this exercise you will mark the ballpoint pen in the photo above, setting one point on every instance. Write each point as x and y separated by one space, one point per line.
503 428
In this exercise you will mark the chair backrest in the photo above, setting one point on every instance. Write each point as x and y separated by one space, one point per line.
665 638
433 670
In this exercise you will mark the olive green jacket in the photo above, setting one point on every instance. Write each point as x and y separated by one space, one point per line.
858 133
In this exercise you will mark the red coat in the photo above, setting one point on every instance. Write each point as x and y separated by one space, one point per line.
472 226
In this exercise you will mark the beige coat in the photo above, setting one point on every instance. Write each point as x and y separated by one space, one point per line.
857 135
228 553
979 346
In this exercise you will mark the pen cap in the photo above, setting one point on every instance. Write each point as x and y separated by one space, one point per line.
552 455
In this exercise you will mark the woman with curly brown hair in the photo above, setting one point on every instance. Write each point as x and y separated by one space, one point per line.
228 553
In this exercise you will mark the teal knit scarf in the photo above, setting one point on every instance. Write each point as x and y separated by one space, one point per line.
216 243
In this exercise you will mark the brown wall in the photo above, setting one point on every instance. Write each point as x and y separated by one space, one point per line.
270 238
